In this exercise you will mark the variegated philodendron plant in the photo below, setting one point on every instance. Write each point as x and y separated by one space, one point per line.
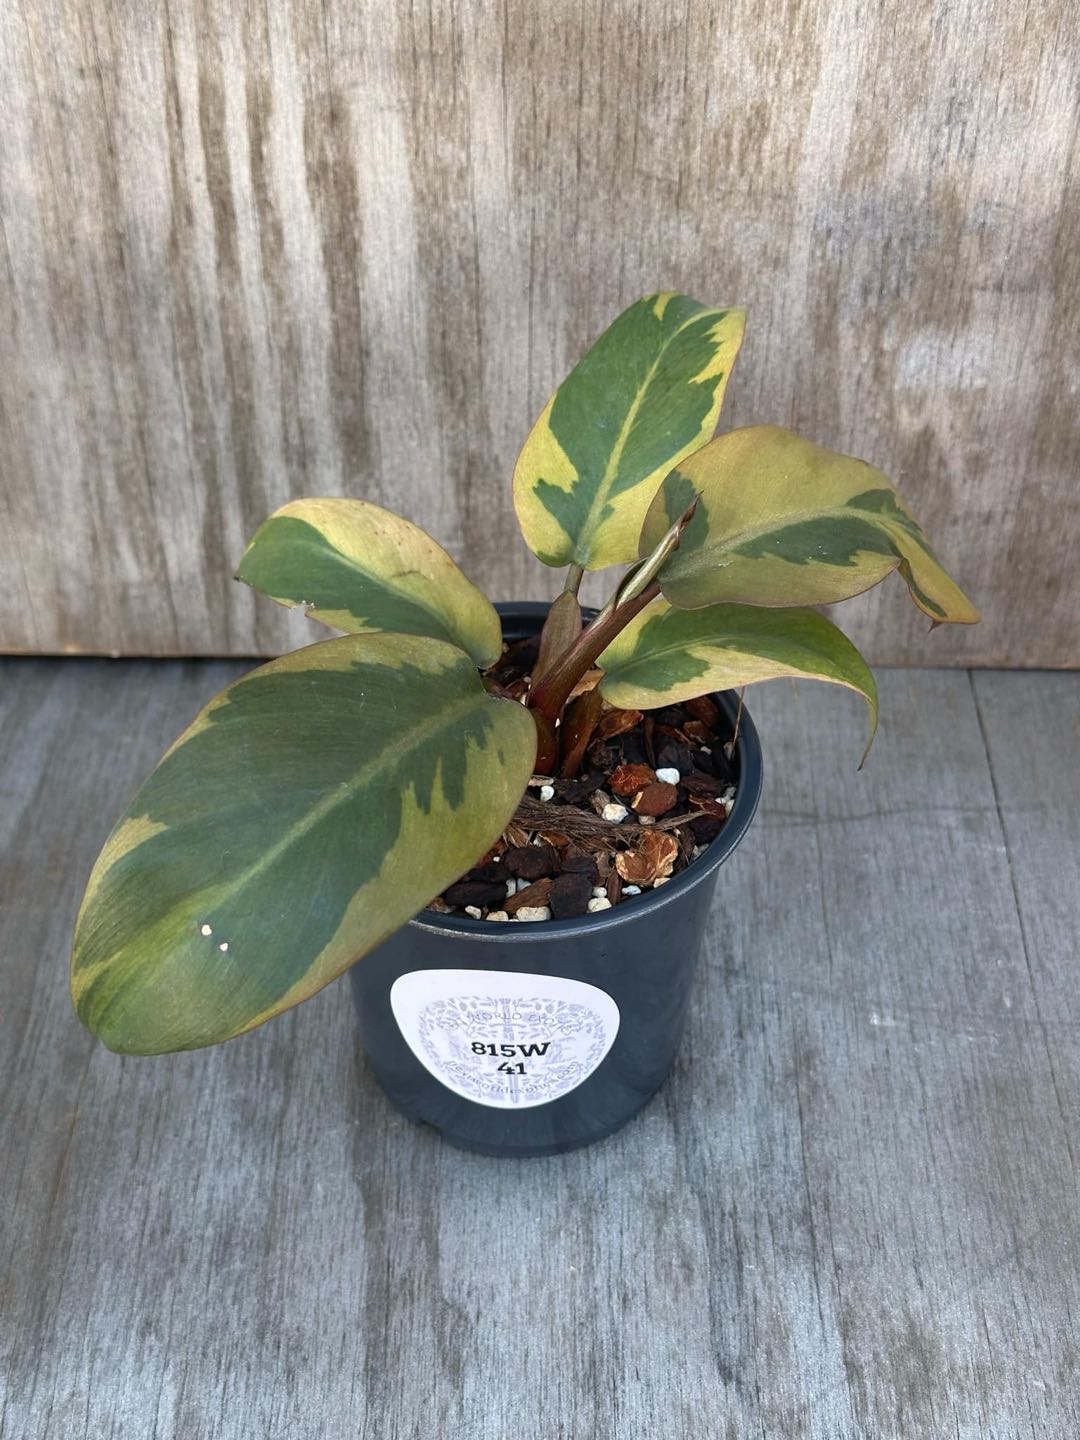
317 803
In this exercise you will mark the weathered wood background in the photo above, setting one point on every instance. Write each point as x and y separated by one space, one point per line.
253 250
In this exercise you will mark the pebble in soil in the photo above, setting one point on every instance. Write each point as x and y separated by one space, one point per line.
653 791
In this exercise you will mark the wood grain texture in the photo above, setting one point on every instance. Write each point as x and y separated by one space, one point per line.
251 252
849 1215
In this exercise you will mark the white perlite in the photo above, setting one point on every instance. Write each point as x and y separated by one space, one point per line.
498 915
547 792
534 912
614 812
670 774
598 891
599 902
474 911
631 889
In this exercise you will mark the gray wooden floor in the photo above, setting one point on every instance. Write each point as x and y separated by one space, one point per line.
853 1211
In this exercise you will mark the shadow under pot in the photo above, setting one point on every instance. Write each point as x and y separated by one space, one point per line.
532 1038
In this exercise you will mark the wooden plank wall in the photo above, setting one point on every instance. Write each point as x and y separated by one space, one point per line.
252 251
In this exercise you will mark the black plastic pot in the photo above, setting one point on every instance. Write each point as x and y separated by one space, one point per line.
532 1038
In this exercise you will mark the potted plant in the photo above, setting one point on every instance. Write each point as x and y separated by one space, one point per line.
517 818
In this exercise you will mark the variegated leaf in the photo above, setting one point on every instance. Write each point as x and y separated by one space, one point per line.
359 567
646 394
666 655
781 521
311 808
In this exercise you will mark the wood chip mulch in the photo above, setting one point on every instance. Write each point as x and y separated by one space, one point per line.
652 791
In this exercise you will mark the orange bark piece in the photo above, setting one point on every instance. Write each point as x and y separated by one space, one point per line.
656 799
629 779
616 722
652 860
704 709
535 894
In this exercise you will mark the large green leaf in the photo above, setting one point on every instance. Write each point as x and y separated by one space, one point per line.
359 567
646 394
311 809
666 655
780 521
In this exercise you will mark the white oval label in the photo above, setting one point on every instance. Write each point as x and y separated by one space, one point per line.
501 1038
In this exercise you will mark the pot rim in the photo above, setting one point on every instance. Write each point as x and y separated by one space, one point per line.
747 795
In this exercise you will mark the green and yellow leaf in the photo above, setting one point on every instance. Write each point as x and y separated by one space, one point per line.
309 811
781 521
359 568
665 655
647 393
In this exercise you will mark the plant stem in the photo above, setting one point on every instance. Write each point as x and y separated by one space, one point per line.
549 697
738 718
561 673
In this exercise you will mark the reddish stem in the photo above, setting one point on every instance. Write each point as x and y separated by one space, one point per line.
554 689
